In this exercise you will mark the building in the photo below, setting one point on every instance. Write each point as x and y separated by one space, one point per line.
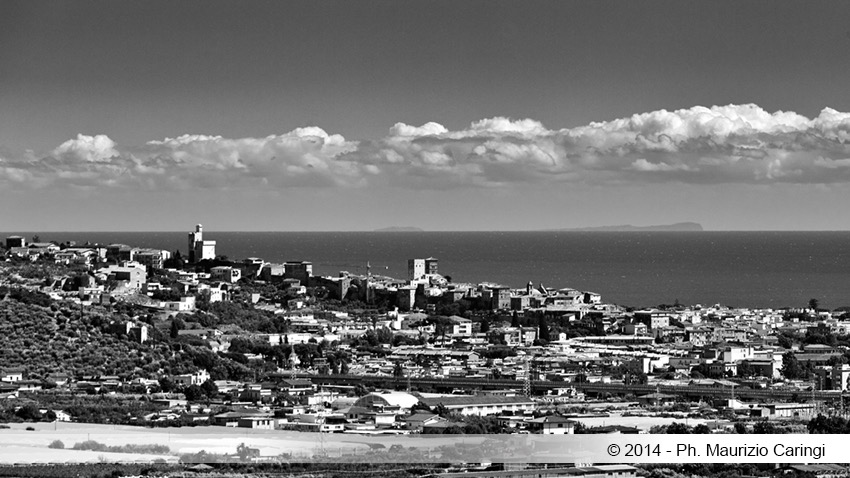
185 304
225 274
188 379
791 410
199 249
431 266
299 270
415 269
840 377
119 253
151 258
398 402
138 332
134 275
552 425
12 375
337 287
500 298
406 297
15 241
461 326
654 319
418 420
418 269
481 404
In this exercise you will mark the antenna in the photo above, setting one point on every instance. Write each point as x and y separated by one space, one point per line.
292 359
368 283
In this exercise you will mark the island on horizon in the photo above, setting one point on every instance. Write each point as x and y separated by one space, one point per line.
400 229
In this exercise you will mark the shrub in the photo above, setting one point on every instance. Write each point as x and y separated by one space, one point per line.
56 444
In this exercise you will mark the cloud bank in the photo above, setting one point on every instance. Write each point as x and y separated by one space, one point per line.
722 144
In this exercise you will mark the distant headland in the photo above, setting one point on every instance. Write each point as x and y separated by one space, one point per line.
400 229
679 226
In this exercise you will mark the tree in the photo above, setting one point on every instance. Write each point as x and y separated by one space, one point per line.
166 384
765 427
485 326
741 428
515 319
543 329
56 444
194 393
701 429
791 366
210 389
398 371
677 428
176 326
784 341
29 412
827 425
813 304
243 451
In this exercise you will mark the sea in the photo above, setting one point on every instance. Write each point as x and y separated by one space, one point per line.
637 269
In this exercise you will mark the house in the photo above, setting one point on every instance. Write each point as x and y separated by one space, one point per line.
657 399
790 410
316 423
257 392
135 275
231 419
296 386
188 379
418 420
257 423
461 326
654 319
225 274
15 241
59 378
62 416
552 425
11 375
185 304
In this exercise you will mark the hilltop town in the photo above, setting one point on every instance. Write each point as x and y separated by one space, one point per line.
197 339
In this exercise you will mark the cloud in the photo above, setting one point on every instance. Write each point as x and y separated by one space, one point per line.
699 145
98 148
644 165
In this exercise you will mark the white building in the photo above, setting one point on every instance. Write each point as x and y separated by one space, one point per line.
225 274
199 249
196 378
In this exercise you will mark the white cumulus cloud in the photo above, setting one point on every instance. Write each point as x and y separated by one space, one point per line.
98 148
701 145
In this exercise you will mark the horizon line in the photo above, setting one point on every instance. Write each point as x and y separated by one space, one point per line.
592 229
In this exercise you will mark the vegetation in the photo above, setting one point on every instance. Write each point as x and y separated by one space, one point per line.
92 445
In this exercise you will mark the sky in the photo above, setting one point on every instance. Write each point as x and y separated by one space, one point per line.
440 114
